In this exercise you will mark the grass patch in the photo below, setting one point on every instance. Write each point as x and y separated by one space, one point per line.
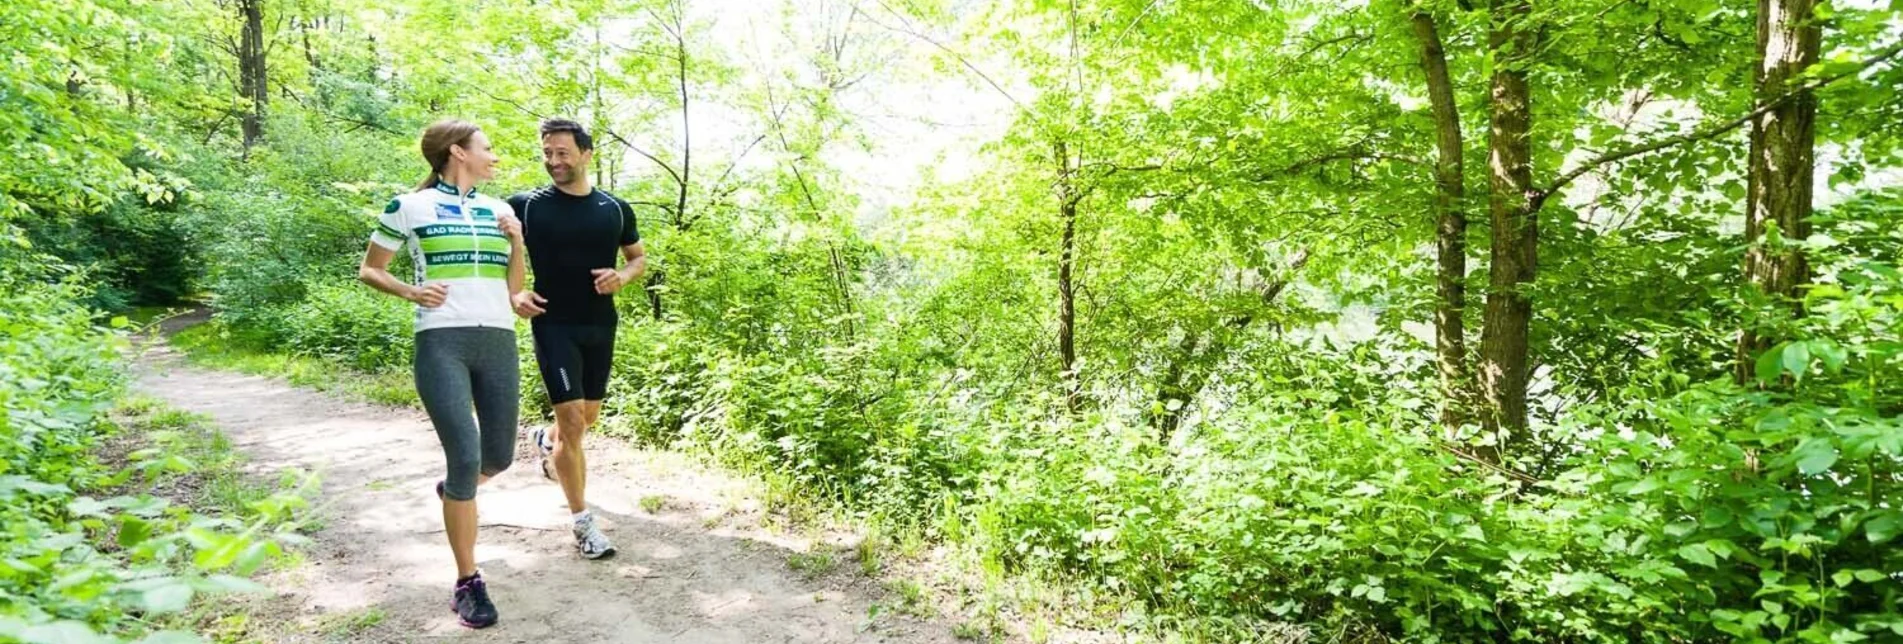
213 345
181 457
867 551
911 598
970 631
653 503
812 564
346 626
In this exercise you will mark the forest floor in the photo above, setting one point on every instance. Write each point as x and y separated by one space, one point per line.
695 562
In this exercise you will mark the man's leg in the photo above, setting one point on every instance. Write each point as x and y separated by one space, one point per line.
558 356
597 357
595 344
590 413
571 463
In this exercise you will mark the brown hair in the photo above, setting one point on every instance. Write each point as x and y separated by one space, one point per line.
436 142
558 126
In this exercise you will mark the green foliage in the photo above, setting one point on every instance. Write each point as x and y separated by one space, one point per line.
350 324
1242 195
216 345
136 254
76 567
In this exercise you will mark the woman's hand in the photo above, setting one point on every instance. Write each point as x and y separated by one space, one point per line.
511 227
430 295
528 304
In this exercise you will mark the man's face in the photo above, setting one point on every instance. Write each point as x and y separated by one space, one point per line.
564 160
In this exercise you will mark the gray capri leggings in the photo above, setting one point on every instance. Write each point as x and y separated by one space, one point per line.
455 368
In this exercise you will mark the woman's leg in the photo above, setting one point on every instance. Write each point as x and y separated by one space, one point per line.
443 384
495 379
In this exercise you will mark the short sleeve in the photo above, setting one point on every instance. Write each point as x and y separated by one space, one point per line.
629 233
518 204
389 232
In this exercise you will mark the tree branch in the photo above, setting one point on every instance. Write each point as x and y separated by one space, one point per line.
736 162
637 150
1352 36
908 30
665 207
1133 23
1484 463
1717 130
1354 153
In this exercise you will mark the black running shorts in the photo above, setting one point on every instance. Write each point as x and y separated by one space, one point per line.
575 359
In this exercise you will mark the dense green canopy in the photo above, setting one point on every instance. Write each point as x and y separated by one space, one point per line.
1531 320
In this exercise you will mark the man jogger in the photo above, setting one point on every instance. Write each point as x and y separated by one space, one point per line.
572 232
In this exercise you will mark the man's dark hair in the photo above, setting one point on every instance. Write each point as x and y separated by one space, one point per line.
558 126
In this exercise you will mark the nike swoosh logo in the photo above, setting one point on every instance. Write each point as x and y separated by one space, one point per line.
601 203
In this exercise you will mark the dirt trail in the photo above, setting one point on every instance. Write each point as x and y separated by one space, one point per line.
380 571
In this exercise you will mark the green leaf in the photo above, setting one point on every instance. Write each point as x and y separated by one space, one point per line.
1842 578
1796 359
1815 456
87 506
254 556
169 597
133 531
228 584
64 632
223 551
1768 367
1869 576
1697 553
1883 527
1833 355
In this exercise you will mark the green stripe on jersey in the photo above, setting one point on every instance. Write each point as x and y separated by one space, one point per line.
464 243
459 271
390 232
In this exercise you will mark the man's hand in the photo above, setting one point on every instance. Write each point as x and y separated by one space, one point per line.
511 227
429 296
528 304
608 281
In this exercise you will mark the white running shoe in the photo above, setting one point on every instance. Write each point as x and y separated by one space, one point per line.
590 541
544 452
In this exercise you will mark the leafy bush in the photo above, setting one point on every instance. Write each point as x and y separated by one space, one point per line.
135 254
74 567
351 323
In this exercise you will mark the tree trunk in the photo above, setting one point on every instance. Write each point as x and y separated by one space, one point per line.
1173 395
656 279
1512 205
251 76
1782 163
1066 285
842 291
1200 354
1450 230
687 150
